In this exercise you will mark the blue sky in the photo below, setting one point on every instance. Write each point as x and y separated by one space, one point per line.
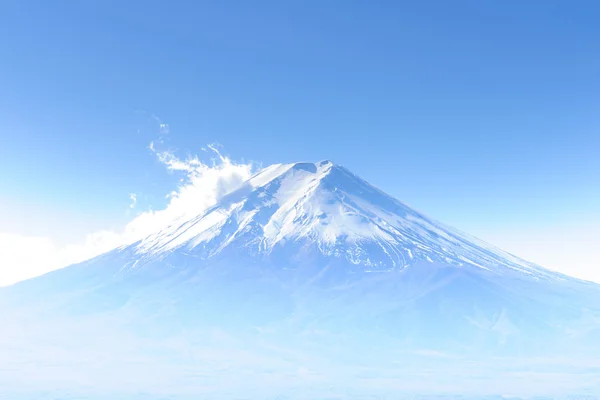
481 114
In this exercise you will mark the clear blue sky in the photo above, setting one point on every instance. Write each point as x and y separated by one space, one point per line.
478 113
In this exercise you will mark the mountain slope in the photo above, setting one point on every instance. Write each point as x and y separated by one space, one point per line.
310 263
327 206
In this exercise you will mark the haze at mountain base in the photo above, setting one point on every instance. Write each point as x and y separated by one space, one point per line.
306 278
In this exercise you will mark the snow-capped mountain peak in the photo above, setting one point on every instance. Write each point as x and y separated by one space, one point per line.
323 206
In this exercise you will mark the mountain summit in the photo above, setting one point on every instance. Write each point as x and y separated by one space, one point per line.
325 206
309 264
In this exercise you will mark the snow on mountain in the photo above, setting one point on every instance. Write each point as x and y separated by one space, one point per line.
327 205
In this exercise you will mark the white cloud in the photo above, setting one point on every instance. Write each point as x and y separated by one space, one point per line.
133 198
164 128
570 248
25 256
204 183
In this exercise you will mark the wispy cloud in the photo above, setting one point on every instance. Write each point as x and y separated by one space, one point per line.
203 184
133 198
164 129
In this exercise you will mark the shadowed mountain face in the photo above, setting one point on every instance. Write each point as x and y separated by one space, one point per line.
305 275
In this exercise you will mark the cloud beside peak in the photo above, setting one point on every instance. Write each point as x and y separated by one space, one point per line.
204 183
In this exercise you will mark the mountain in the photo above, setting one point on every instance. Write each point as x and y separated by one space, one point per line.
304 278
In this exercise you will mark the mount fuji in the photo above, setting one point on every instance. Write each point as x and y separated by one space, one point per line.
305 282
